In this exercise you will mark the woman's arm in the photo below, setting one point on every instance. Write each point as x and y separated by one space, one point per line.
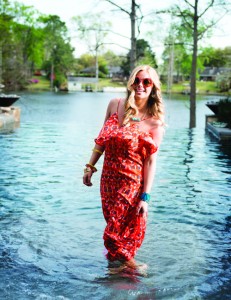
149 174
98 150
96 153
149 170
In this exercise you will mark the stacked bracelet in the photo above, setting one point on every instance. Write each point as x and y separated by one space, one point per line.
87 170
145 197
90 166
98 151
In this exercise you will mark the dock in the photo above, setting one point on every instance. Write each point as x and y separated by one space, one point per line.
218 130
9 118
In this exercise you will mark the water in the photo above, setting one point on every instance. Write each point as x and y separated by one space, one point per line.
51 225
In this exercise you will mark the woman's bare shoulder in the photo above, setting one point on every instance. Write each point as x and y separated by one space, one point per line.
157 130
112 107
113 104
155 123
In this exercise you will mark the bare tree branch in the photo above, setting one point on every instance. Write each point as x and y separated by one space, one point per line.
121 8
201 34
189 4
208 7
140 20
184 15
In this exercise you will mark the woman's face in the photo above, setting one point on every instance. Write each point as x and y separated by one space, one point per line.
142 85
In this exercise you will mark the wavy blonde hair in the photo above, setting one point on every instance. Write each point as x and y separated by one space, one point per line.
155 102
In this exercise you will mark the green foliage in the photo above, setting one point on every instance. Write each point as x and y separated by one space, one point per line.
224 81
216 57
144 55
93 29
29 41
180 41
88 61
112 59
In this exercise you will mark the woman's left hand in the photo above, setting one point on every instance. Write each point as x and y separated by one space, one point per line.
142 208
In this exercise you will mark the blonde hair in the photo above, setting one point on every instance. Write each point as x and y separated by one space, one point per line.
155 102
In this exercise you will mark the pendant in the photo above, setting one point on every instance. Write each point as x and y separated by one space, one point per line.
135 119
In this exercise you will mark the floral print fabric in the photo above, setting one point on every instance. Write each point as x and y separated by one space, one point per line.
126 148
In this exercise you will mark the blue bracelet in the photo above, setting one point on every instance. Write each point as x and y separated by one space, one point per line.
145 197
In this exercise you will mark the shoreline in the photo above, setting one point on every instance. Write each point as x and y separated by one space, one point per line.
120 90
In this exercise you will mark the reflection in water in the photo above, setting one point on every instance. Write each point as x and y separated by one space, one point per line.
52 226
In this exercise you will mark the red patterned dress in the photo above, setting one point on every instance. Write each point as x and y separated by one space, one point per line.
126 148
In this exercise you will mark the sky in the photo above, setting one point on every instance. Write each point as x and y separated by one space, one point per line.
67 9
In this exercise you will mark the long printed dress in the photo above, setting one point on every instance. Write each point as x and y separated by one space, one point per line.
121 185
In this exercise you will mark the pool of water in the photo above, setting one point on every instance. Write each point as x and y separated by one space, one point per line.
51 243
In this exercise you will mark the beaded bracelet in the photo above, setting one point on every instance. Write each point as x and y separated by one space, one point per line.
93 168
145 197
98 151
87 170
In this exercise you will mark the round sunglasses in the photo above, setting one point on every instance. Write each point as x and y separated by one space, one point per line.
145 81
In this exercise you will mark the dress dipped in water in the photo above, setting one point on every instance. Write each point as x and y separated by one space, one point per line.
126 148
132 132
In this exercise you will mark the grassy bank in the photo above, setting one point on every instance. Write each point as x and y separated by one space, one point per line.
42 84
203 87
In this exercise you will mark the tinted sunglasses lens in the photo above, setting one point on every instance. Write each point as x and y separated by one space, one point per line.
136 81
147 82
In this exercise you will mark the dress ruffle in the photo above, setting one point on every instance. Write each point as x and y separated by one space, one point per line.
149 146
111 127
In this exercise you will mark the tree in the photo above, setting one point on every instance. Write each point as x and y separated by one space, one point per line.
5 28
193 15
144 56
18 40
216 57
177 55
133 18
58 52
93 29
87 61
112 59
29 40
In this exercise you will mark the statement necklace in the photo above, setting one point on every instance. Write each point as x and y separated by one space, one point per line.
138 119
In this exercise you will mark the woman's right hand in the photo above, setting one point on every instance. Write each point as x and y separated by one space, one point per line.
87 178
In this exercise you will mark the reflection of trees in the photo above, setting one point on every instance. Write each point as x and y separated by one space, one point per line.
188 163
211 216
188 156
222 158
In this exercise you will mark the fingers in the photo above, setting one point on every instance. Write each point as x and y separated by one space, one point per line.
145 216
138 210
142 209
87 179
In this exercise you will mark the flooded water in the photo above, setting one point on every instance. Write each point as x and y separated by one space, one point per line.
51 243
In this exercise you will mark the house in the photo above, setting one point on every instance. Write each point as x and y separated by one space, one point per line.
211 73
115 72
76 83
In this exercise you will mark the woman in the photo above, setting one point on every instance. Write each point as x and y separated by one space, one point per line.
130 137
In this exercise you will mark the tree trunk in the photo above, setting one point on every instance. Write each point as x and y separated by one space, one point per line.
96 69
0 64
192 122
133 36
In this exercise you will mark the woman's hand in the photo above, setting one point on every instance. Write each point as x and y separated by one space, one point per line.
142 208
87 178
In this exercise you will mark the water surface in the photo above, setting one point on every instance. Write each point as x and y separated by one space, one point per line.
51 225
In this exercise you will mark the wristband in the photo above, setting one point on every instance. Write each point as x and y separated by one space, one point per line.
145 197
